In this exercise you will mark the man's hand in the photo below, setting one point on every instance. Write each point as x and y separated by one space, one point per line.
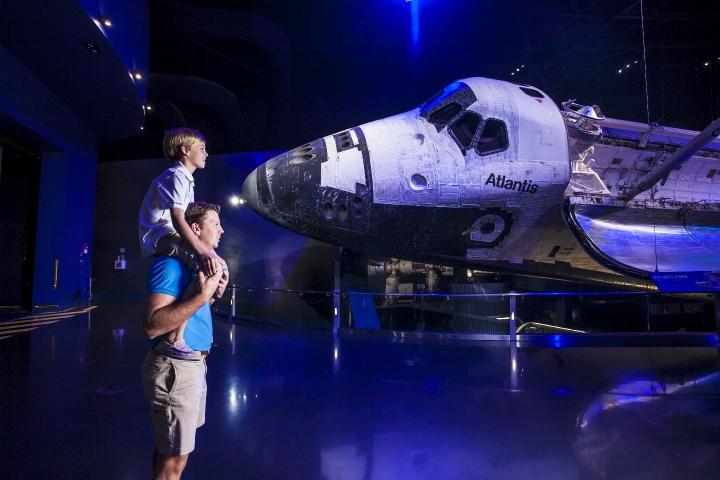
211 262
222 284
224 265
208 285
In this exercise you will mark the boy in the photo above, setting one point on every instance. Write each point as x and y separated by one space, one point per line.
162 227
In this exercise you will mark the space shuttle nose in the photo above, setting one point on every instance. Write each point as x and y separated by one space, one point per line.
305 191
249 191
285 189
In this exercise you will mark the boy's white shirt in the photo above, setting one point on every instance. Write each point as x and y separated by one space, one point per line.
174 188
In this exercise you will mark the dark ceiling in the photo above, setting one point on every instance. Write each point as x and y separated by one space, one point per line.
272 74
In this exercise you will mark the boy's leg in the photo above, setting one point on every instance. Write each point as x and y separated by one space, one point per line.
173 245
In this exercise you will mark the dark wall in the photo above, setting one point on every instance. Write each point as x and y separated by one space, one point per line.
258 253
64 228
33 113
19 188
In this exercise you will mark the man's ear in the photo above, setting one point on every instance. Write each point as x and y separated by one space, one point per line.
195 228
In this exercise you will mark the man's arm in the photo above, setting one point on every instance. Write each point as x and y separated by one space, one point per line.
205 255
165 313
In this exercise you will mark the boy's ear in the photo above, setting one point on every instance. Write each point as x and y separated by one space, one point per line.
184 150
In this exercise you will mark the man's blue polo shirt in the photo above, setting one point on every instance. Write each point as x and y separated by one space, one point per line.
168 275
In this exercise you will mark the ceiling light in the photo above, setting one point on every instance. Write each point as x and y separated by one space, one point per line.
707 63
517 69
627 66
149 107
142 128
620 71
235 201
105 20
137 75
513 73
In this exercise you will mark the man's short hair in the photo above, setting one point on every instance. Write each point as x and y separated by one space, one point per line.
195 212
179 137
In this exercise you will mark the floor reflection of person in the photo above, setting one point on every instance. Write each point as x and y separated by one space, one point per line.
178 320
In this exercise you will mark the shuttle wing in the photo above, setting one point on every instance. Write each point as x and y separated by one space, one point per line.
672 226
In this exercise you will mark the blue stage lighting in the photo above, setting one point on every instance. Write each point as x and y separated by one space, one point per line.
415 15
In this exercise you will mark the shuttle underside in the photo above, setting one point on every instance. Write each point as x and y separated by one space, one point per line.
635 241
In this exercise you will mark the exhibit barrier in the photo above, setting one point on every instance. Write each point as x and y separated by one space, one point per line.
489 315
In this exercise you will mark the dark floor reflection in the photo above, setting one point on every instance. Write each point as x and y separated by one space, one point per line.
304 405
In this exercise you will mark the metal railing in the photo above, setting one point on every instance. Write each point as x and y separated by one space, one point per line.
505 315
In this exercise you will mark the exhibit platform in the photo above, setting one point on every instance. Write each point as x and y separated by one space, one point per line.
307 403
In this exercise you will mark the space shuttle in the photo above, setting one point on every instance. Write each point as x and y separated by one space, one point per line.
494 174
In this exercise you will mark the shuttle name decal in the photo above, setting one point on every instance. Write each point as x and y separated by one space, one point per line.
500 181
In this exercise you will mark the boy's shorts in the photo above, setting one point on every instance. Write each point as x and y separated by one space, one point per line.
173 245
176 390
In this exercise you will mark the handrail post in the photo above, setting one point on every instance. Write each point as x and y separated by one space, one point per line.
232 303
336 316
513 321
336 291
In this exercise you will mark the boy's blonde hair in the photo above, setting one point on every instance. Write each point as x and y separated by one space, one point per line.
179 137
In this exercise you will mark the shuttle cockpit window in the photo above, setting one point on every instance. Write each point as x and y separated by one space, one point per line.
493 138
463 131
532 92
444 114
446 105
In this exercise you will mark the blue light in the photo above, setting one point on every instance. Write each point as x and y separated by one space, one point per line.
562 391
431 384
415 16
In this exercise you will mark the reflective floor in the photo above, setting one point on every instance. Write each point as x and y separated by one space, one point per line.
306 405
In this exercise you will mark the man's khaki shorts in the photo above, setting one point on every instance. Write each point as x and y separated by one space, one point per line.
176 390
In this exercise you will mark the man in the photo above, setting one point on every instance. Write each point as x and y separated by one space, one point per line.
177 317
